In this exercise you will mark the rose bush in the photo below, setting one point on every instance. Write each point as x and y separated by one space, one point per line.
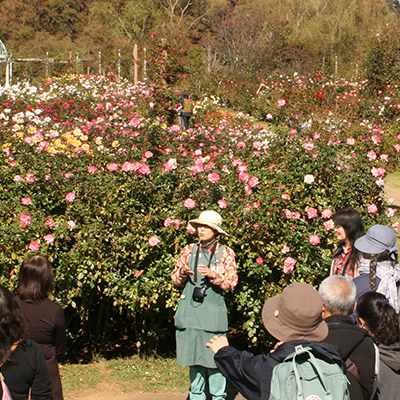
111 186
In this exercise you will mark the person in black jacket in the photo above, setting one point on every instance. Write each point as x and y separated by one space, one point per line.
293 318
21 361
338 295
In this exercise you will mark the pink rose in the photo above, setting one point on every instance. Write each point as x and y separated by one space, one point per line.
371 155
312 213
171 164
259 260
189 203
154 241
70 197
281 102
269 116
148 154
48 239
24 220
50 223
351 141
243 177
372 208
376 139
34 246
395 226
26 201
222 203
92 169
314 240
253 181
257 144
112 167
390 212
138 273
285 196
213 177
30 178
288 265
329 225
327 213
285 249
71 225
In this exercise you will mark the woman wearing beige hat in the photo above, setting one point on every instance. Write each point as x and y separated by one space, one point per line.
205 269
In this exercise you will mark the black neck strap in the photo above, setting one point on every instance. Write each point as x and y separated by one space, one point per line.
196 262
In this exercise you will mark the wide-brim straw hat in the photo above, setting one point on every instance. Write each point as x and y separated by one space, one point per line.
209 218
378 239
295 314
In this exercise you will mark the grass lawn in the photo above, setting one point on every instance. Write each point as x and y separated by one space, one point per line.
133 374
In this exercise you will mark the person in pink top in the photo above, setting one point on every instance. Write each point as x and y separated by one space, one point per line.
349 227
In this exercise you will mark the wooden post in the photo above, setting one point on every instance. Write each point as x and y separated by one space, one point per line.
99 62
8 80
47 64
135 63
144 63
77 64
119 63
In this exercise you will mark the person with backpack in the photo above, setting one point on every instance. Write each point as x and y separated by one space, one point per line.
300 366
357 346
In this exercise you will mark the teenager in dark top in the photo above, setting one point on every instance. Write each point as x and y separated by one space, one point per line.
45 318
22 362
349 227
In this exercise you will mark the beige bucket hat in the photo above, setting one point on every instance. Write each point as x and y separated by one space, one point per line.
209 218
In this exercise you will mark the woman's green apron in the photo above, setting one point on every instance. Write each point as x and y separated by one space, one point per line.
196 322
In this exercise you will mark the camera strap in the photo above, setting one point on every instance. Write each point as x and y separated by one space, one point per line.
196 261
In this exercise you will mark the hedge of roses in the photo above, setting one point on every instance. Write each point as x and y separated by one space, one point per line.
96 177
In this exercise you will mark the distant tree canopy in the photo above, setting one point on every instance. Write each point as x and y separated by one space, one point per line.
213 36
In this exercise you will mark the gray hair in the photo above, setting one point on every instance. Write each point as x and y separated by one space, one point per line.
338 294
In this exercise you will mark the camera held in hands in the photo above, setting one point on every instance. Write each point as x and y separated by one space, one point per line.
199 293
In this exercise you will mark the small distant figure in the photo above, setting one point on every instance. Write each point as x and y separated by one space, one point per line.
187 110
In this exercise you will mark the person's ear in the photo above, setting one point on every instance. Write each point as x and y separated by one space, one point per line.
355 307
323 312
362 323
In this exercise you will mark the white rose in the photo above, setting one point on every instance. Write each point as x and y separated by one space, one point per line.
309 179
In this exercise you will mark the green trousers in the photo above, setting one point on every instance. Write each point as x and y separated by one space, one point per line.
199 376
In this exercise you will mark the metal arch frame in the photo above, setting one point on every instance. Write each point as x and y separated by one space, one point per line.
4 56
3 50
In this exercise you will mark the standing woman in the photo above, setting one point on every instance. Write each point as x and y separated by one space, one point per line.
379 267
22 363
45 318
379 318
349 227
205 269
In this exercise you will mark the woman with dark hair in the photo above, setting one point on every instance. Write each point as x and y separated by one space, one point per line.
349 227
379 318
45 318
379 268
22 363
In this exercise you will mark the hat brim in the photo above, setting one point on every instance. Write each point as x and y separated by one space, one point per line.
195 222
285 333
367 246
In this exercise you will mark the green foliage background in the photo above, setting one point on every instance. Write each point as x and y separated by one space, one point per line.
109 276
